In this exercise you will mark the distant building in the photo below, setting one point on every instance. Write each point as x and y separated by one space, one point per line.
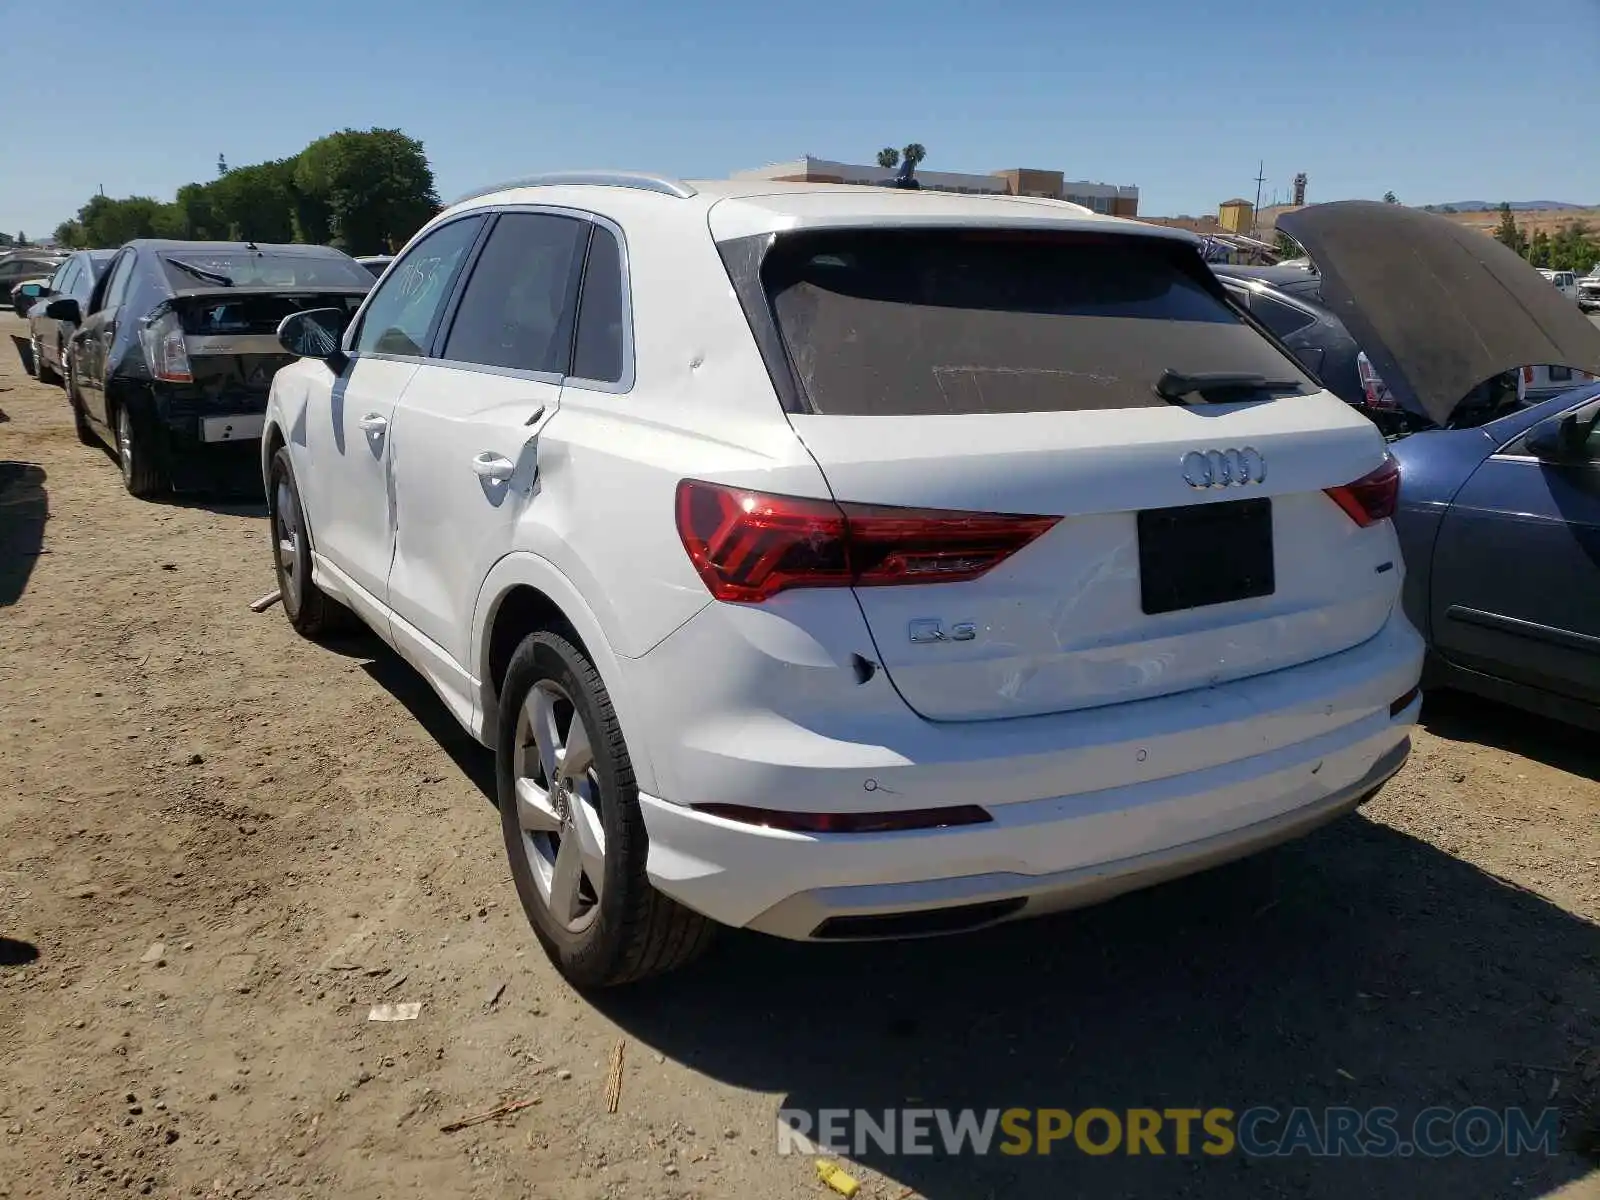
1113 199
1236 216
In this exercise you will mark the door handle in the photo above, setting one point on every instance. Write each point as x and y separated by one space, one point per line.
374 423
496 467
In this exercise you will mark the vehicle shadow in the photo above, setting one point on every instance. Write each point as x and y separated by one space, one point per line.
1358 967
16 953
401 681
24 509
1459 717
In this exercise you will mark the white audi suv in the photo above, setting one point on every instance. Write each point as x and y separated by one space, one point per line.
844 563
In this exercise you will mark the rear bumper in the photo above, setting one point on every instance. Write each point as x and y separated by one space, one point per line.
214 448
1078 813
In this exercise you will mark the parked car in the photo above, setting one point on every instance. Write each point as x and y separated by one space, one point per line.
1288 301
1500 525
26 294
172 358
1499 505
376 263
50 338
1565 282
1589 291
16 266
844 563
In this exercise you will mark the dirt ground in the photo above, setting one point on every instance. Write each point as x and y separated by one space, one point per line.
220 844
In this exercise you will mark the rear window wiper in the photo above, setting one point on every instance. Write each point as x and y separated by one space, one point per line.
199 273
1173 385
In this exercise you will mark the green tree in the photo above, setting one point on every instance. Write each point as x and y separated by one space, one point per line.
1507 233
914 154
376 186
1539 249
1390 198
70 234
255 203
1448 208
197 214
1573 249
889 158
22 238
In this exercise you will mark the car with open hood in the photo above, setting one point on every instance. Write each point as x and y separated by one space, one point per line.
1499 511
171 359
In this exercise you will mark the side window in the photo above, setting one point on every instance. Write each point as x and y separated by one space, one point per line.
517 309
405 304
598 353
61 282
1283 319
117 284
83 283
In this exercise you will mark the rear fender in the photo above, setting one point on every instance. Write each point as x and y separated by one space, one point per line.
525 569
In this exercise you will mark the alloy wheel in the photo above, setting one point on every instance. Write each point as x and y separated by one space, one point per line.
558 806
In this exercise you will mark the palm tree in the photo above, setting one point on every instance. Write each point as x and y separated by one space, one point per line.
888 158
914 153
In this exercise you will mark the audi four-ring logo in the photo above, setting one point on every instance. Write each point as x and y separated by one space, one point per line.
1224 468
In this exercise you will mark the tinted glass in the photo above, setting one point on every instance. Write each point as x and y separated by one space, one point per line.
902 323
597 353
1283 319
197 269
516 310
404 305
117 285
61 283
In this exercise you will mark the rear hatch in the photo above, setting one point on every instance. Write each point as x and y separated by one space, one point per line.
1182 540
230 338
218 332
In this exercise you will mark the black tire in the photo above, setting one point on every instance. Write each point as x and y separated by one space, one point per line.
313 613
30 361
636 931
47 373
80 419
142 473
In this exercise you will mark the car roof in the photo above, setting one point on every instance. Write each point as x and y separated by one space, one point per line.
737 207
174 246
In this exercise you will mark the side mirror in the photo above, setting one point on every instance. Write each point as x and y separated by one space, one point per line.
1558 439
65 309
33 290
315 333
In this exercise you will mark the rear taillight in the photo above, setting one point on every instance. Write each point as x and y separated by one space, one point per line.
1376 391
1527 374
1373 497
748 546
164 351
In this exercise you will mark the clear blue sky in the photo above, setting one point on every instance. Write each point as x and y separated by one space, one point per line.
1437 99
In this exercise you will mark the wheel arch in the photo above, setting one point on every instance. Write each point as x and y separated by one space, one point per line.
523 594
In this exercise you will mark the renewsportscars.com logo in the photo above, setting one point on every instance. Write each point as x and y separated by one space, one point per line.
1259 1132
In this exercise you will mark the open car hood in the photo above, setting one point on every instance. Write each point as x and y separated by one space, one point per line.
1438 307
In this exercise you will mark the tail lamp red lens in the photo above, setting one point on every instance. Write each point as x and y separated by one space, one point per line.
748 546
857 822
1373 497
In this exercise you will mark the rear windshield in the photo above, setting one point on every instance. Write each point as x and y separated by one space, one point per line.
254 314
902 323
243 269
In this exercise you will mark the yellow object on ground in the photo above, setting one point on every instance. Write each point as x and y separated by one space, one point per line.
837 1179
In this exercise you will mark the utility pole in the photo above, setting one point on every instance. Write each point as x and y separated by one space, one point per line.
1261 177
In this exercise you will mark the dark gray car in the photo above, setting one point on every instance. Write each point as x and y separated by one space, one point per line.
51 337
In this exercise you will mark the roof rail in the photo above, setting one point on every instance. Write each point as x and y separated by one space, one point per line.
622 179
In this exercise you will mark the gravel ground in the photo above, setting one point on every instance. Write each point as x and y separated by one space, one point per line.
221 844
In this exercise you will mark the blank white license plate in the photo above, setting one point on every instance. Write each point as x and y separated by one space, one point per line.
232 429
